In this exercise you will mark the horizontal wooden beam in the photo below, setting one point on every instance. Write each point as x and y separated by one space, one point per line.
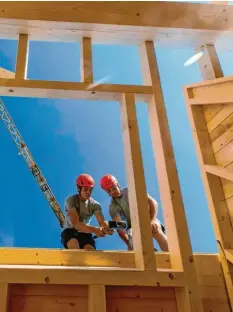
71 90
100 258
33 256
219 171
120 23
29 274
216 91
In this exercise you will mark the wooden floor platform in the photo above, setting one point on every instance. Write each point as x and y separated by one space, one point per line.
28 290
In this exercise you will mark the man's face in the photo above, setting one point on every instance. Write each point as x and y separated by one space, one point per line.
86 192
114 191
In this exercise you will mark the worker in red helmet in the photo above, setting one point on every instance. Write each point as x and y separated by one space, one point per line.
119 209
80 208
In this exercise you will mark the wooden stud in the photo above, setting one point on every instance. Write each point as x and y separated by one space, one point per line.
140 218
96 298
209 63
3 297
180 249
86 60
22 57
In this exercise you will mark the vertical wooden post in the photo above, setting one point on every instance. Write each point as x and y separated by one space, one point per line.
198 117
138 202
3 297
96 298
180 250
210 69
22 57
86 60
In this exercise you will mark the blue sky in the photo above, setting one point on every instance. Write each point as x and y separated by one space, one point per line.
67 138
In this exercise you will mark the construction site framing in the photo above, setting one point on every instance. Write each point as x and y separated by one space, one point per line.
195 282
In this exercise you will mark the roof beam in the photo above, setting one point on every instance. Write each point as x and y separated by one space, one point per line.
119 23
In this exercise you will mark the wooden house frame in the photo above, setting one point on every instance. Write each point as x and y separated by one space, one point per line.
98 281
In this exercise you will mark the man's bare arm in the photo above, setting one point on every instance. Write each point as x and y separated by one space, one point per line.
122 233
74 217
153 208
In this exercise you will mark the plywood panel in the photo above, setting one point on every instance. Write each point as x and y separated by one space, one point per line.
211 305
221 128
220 117
147 299
138 305
210 111
213 292
223 140
230 207
48 290
114 292
207 265
124 299
228 185
48 304
225 156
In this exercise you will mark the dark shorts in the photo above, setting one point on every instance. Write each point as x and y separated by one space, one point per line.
163 228
82 238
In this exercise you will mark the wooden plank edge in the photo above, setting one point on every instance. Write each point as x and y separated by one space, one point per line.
75 275
219 171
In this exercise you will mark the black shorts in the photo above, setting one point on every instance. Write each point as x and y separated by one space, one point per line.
82 238
163 228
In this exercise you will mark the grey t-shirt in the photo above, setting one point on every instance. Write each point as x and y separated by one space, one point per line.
86 209
120 206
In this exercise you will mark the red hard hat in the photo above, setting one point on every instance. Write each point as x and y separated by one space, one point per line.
85 180
108 181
